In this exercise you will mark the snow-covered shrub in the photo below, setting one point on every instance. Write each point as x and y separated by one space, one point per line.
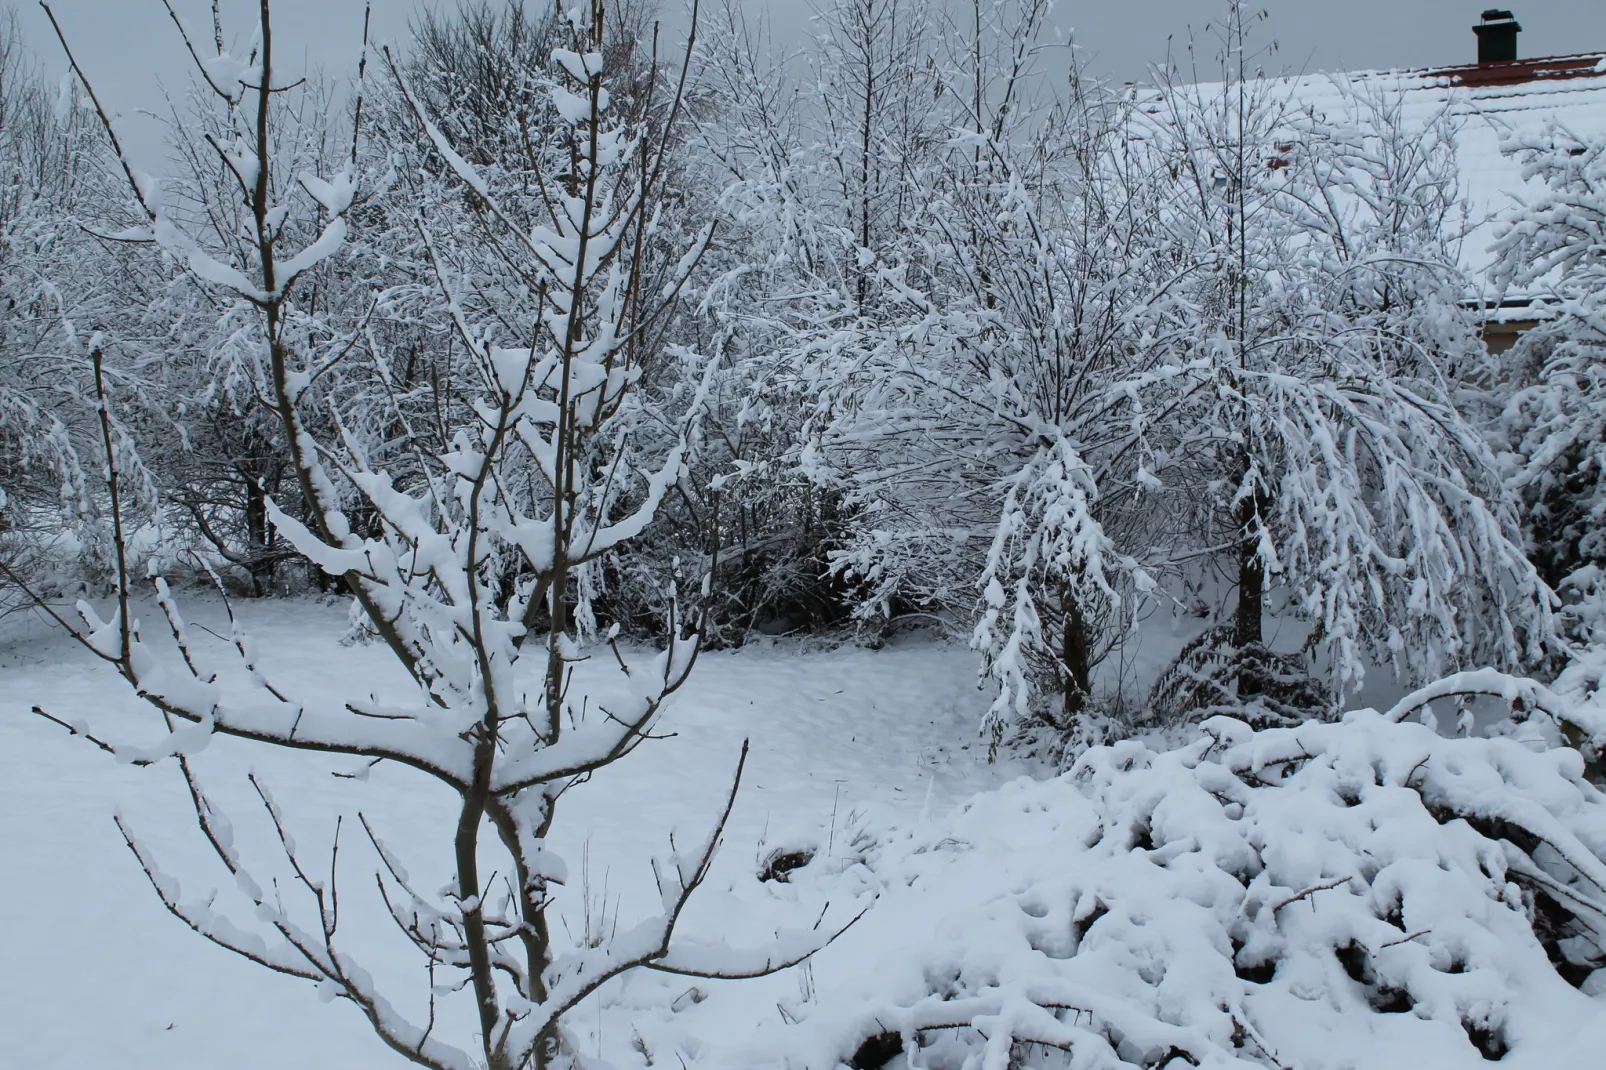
1364 893
54 293
963 415
1554 415
822 184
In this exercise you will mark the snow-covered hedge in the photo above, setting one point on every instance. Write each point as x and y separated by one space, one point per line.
1361 894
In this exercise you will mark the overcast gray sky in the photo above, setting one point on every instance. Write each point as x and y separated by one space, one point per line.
131 50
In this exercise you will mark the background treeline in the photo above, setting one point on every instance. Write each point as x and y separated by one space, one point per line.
1022 356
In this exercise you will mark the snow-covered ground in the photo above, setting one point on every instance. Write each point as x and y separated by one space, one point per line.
94 973
1332 897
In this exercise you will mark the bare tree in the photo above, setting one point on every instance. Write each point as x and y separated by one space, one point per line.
460 567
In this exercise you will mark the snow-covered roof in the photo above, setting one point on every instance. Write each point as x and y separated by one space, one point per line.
1495 99
1488 101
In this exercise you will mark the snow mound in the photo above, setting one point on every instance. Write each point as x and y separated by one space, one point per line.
1364 893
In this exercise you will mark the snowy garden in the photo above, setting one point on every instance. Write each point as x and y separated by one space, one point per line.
574 545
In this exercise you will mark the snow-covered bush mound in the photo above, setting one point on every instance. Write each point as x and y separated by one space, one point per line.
1360 894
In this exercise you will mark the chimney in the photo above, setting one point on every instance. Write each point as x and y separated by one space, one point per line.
1497 37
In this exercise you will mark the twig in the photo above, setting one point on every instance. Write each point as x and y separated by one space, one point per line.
85 733
1334 883
1404 939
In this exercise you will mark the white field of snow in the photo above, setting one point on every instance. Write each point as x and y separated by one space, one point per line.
95 973
1125 889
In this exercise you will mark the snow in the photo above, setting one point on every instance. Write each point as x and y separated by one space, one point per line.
839 738
1492 182
1324 894
1122 892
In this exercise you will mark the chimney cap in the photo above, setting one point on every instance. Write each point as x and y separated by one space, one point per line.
1497 36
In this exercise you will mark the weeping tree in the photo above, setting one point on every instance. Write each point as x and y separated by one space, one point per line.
1308 399
458 569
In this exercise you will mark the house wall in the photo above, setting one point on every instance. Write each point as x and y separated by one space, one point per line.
1499 337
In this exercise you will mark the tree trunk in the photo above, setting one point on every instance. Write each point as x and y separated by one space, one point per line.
1073 652
1251 590
1251 573
257 535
